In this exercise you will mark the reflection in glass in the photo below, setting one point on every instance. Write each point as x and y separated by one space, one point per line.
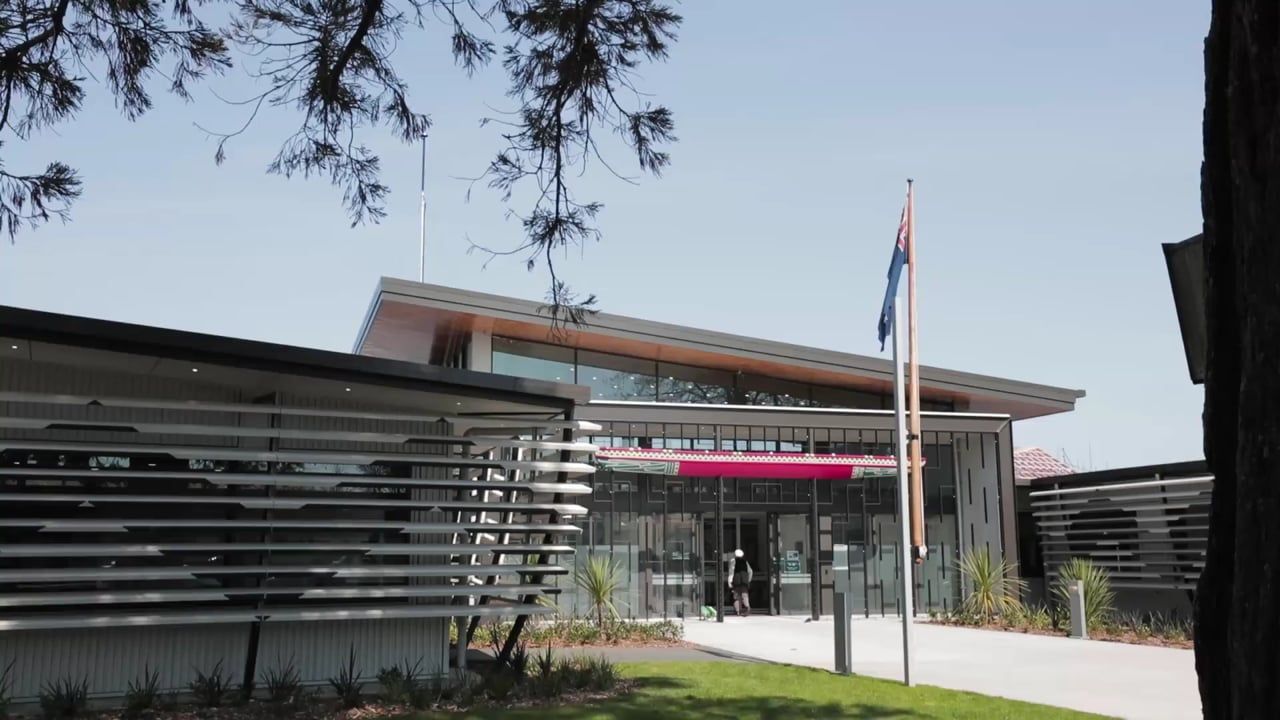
687 384
537 361
615 377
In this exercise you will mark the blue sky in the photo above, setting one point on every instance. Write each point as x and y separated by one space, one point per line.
1055 146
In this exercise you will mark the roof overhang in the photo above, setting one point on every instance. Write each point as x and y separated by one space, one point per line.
42 337
424 323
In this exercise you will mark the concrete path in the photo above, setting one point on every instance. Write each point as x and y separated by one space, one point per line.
1129 681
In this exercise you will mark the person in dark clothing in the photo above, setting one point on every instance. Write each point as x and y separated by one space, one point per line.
740 582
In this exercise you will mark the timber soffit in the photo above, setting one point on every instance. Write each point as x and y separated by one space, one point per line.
485 304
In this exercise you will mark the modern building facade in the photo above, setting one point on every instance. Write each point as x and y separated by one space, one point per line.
176 501
662 386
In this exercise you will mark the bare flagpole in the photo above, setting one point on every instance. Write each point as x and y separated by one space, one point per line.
919 549
422 217
907 584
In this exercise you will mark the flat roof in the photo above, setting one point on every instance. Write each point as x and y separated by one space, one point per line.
69 339
425 322
1124 474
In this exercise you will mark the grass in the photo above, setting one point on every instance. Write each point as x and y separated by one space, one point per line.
733 691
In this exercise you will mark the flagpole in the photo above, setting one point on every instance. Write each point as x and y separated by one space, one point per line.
906 584
422 216
913 352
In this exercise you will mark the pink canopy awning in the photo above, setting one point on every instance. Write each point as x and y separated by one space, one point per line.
716 463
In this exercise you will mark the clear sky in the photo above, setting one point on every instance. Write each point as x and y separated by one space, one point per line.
1054 145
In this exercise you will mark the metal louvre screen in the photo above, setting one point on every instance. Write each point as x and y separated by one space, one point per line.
191 508
1148 534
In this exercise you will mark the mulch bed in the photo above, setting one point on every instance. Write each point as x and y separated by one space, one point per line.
1127 638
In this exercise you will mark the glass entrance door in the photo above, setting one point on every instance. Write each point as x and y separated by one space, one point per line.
743 532
790 577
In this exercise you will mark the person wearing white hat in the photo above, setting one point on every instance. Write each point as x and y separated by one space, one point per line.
740 583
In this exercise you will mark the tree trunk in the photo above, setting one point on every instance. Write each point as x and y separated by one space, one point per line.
1237 623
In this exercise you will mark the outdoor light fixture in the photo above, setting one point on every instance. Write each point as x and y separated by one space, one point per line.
195 369
346 389
13 347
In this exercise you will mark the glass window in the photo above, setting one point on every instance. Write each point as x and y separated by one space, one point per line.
538 361
831 397
615 377
687 384
758 390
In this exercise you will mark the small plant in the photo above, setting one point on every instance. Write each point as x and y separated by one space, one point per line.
544 664
6 683
283 684
421 695
209 690
1099 599
1038 618
498 686
518 663
143 694
601 673
599 577
399 682
346 684
993 589
65 698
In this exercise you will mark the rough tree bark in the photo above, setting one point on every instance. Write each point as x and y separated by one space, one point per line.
1238 598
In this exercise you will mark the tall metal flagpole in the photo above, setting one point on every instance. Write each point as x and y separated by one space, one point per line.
907 584
919 550
422 217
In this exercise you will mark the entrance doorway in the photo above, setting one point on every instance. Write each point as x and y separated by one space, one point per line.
741 532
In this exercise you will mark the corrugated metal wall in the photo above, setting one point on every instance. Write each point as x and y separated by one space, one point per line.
319 652
110 658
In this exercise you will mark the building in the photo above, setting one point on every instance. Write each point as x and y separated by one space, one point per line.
1030 464
181 502
663 386
1148 526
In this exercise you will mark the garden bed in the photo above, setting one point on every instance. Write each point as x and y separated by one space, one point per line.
578 632
528 681
1128 633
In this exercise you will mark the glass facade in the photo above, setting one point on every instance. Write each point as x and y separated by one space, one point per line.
618 377
662 531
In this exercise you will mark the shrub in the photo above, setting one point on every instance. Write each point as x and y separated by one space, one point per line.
1038 618
143 694
421 694
65 698
210 689
993 590
6 683
1099 599
283 684
601 673
1170 628
599 578
546 682
346 684
572 674
399 683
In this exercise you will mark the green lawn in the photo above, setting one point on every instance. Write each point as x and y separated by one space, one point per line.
732 691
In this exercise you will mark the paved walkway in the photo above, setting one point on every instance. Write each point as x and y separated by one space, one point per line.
1130 681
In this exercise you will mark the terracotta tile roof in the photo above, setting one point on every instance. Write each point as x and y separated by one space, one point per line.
1032 463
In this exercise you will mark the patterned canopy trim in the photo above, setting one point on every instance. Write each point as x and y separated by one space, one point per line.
713 463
